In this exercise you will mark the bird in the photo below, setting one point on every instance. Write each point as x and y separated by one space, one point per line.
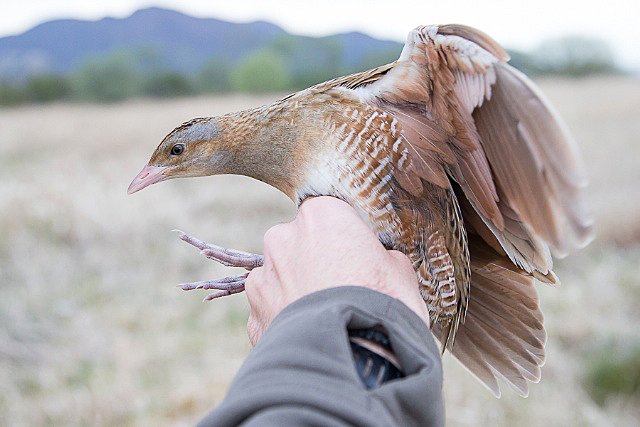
450 155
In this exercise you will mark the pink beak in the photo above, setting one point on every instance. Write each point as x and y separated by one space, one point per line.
147 176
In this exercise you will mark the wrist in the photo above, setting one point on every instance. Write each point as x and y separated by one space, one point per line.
374 359
378 349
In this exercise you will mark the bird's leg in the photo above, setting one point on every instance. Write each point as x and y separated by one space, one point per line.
225 256
228 257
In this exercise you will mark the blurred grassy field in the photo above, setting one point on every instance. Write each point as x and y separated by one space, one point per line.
92 331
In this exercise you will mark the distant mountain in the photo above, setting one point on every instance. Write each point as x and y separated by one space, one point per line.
178 42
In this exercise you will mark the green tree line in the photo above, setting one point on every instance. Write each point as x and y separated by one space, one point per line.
288 64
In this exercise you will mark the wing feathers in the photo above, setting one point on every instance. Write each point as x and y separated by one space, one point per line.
494 133
474 123
477 37
472 359
535 162
503 334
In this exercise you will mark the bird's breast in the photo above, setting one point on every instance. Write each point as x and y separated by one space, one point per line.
356 162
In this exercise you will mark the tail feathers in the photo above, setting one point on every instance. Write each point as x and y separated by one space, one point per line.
503 334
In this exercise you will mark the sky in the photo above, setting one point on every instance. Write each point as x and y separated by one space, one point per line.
515 24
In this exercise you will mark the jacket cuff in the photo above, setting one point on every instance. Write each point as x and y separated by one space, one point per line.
407 332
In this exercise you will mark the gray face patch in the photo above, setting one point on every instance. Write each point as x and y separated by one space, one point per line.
220 160
200 130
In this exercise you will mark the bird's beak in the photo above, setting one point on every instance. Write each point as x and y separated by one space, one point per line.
147 176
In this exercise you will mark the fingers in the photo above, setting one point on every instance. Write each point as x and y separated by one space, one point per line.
325 203
253 288
401 259
277 239
404 277
254 330
253 291
264 299
264 285
326 245
327 213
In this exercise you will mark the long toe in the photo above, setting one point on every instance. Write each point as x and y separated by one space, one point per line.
223 293
225 286
233 258
225 283
226 256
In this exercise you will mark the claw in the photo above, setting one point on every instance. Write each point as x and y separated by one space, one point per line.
192 240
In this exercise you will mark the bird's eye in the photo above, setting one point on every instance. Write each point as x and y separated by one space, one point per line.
177 149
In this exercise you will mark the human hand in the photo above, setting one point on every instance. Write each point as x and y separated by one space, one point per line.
327 245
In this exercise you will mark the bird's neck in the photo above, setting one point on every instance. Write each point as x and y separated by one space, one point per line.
265 143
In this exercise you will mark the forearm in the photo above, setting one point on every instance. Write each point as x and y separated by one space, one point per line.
302 369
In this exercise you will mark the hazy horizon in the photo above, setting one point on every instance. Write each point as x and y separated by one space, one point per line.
517 26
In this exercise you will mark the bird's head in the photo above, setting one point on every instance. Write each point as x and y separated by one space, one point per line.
243 143
195 148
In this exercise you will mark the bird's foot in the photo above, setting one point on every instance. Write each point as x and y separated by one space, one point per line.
228 257
225 256
225 286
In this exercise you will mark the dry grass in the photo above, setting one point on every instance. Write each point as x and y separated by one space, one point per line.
93 333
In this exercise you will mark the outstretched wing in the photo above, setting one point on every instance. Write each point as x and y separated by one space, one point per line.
472 122
469 116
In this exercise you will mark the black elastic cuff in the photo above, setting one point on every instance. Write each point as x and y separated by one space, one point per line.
373 369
